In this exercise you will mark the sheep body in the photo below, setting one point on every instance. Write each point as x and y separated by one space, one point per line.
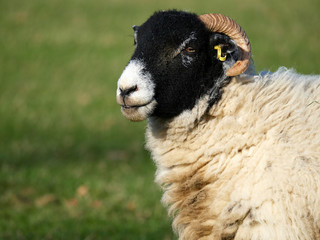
250 167
237 157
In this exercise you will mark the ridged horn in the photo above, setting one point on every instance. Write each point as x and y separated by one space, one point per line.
223 24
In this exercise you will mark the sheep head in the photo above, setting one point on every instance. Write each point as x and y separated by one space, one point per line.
175 63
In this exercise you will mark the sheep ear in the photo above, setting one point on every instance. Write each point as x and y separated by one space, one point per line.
135 28
224 49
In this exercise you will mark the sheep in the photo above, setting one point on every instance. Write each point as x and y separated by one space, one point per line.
237 153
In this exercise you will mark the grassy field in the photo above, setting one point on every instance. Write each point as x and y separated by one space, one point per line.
71 167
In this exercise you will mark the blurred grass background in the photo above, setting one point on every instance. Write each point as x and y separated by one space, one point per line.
71 167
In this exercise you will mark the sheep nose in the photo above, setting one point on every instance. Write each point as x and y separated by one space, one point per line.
128 91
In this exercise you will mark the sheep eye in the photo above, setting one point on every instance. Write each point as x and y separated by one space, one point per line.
190 50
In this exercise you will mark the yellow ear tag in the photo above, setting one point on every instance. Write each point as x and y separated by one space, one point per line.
218 48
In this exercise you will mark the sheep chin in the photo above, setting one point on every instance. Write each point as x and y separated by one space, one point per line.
138 113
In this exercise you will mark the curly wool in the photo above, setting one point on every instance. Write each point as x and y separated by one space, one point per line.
250 167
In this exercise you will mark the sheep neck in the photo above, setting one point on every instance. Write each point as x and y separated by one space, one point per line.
183 155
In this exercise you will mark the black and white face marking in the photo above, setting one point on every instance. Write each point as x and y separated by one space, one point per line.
135 92
173 66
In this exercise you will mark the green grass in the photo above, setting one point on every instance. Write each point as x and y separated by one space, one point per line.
71 167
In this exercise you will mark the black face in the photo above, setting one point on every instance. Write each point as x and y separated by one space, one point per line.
178 51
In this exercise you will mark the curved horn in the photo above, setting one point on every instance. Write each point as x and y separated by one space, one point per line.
223 24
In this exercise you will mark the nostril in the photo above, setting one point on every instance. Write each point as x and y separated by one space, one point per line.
128 91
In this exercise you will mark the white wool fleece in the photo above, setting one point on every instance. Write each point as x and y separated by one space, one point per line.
249 169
